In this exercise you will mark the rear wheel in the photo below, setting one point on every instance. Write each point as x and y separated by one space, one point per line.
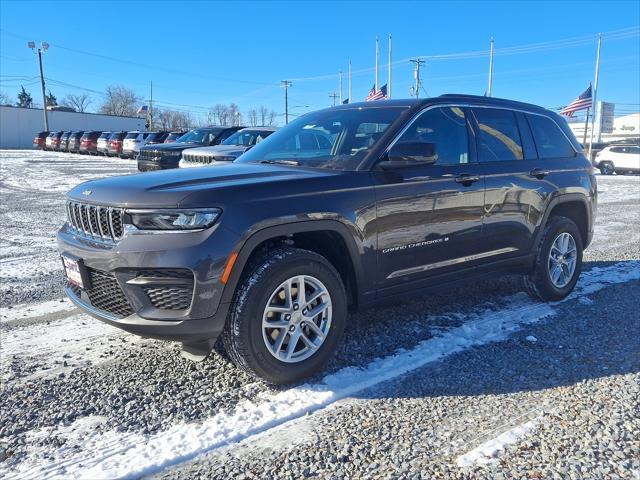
558 261
287 316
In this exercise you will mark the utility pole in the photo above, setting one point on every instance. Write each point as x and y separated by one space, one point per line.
595 96
490 68
377 85
350 92
389 82
45 47
286 84
333 95
586 126
418 62
340 76
151 109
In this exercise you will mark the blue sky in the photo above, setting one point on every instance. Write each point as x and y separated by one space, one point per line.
202 53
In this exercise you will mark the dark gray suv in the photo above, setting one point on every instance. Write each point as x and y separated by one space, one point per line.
343 208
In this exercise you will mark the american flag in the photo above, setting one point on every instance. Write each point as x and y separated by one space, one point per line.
379 95
143 109
582 102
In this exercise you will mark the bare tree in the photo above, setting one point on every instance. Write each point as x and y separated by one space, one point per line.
252 115
79 102
272 118
219 114
234 117
172 120
120 100
4 99
264 114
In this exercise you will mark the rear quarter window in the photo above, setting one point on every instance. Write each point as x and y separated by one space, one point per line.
550 141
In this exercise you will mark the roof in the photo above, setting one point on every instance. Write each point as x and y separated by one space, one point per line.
261 129
449 97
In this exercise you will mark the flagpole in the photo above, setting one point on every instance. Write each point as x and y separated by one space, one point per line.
586 126
490 68
377 63
389 82
350 99
340 76
595 95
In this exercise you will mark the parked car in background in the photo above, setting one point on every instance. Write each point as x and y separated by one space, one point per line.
54 140
114 148
167 155
48 142
63 142
130 141
153 138
619 158
73 143
89 142
173 136
156 137
39 140
227 151
102 145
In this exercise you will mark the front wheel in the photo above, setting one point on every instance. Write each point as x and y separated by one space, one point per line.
287 316
607 168
558 261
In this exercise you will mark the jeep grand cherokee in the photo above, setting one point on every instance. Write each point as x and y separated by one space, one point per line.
271 251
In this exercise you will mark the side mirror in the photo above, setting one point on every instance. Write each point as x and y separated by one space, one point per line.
409 154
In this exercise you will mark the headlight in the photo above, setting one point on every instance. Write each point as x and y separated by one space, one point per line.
187 219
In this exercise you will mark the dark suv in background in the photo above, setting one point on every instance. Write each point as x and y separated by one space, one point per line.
73 141
167 155
270 252
39 140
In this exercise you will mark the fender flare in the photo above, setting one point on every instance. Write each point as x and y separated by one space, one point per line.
558 200
247 247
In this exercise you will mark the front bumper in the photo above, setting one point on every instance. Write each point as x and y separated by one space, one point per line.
147 165
127 265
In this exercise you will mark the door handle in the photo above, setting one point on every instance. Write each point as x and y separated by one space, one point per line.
539 173
467 179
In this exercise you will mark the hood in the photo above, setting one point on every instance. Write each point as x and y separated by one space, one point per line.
168 188
218 150
167 147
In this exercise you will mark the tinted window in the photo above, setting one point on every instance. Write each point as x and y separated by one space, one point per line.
132 135
499 138
247 137
199 135
338 139
446 129
550 141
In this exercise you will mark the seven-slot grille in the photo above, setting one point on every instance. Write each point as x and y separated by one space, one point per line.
96 222
149 154
195 158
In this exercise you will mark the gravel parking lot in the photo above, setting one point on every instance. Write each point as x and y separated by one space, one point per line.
479 382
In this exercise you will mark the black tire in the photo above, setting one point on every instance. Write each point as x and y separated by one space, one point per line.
243 337
607 168
538 283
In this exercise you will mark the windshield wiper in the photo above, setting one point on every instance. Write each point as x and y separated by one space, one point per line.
281 162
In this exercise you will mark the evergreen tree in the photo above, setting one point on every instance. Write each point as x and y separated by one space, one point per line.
24 99
52 101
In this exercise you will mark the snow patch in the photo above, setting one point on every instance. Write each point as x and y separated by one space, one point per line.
488 451
531 338
34 310
113 455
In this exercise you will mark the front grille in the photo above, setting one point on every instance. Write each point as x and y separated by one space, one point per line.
195 158
105 294
149 154
176 296
96 222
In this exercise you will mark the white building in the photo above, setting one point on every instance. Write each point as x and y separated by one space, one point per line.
19 125
626 126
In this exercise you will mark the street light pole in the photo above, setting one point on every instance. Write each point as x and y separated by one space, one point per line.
45 47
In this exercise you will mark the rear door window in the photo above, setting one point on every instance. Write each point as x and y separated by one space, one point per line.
551 142
499 138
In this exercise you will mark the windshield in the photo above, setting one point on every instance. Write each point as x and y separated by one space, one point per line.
199 135
336 139
247 137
